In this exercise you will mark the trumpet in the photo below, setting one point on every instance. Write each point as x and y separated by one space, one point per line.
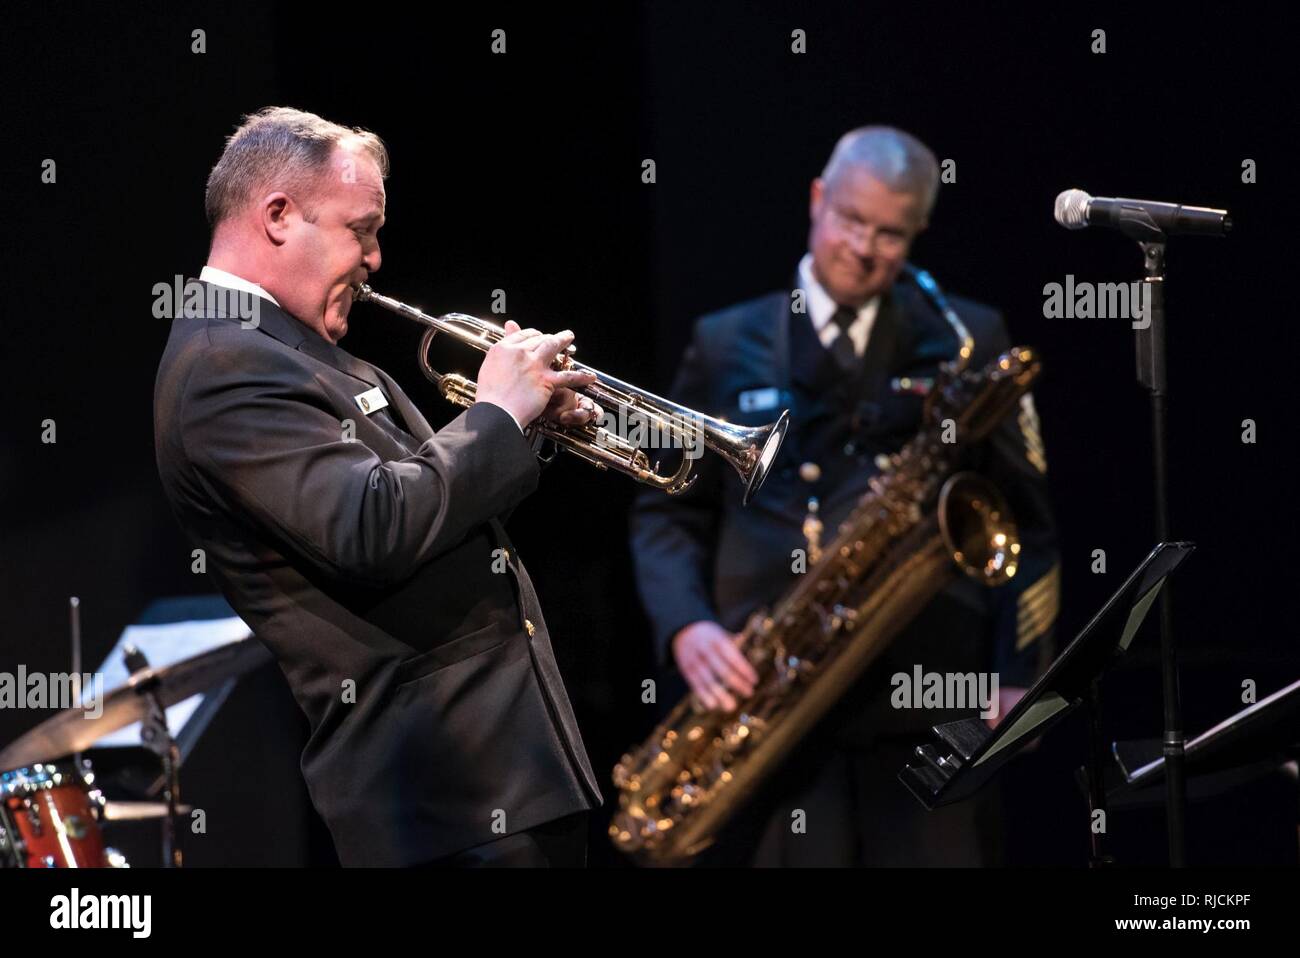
750 450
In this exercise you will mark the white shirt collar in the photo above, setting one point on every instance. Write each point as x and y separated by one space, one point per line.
821 308
220 277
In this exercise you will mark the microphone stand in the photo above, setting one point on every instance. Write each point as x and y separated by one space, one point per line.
1151 374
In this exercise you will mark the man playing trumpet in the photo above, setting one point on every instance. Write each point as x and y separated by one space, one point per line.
364 549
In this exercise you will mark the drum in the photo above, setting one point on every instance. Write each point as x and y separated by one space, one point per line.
49 818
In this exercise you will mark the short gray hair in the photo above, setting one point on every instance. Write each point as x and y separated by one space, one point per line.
282 148
898 159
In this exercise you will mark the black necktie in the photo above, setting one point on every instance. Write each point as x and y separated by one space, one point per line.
842 347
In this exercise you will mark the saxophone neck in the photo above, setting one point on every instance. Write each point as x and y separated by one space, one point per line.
930 289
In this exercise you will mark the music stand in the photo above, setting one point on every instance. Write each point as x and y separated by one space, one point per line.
968 753
1243 746
169 631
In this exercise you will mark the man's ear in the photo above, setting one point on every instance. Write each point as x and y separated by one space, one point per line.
816 194
276 210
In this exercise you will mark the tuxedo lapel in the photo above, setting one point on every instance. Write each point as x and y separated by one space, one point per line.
882 345
924 336
403 415
811 364
274 321
340 359
814 366
407 412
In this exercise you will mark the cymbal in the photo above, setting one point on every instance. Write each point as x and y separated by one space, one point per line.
73 730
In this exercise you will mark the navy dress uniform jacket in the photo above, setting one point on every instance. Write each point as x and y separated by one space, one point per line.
704 556
366 551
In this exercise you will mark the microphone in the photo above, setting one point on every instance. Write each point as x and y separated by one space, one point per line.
1141 219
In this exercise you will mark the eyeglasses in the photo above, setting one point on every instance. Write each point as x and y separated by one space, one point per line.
887 242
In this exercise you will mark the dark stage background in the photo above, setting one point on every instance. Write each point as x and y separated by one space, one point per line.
522 172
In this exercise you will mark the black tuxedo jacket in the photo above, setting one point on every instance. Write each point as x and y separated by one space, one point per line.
702 555
366 552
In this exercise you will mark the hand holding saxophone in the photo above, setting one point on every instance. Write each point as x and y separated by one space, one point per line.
518 375
713 665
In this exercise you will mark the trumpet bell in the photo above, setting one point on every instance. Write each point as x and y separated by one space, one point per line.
759 448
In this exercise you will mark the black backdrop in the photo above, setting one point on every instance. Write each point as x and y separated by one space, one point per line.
522 172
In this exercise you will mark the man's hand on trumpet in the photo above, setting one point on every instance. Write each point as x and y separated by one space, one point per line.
517 376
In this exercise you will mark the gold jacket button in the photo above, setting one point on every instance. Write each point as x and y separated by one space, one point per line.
528 625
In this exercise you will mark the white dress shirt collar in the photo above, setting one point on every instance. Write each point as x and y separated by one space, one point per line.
220 277
821 308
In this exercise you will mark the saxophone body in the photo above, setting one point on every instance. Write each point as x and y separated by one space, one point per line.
920 524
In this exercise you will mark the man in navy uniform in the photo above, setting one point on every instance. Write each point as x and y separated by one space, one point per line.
364 549
852 350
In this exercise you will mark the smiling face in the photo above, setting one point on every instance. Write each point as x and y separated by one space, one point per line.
319 261
861 234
